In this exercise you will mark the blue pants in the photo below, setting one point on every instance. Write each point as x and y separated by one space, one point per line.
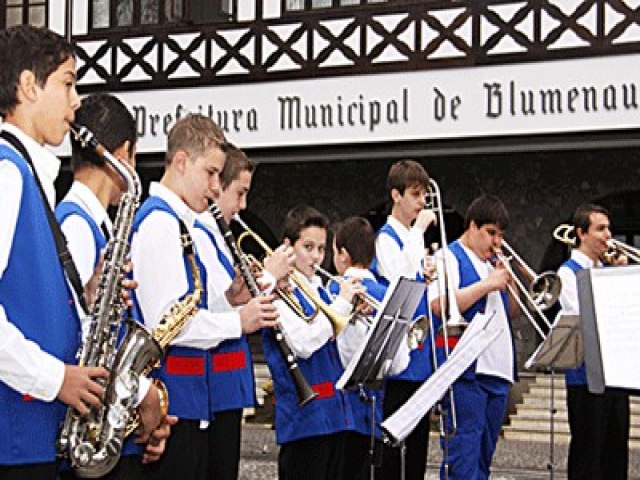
480 406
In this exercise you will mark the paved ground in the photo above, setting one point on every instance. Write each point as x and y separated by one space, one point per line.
514 460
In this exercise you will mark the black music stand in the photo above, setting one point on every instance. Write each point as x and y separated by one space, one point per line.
373 359
562 349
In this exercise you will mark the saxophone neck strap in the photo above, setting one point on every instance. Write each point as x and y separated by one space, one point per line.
58 236
185 238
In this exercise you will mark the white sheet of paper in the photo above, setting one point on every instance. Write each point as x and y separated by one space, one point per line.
616 298
476 338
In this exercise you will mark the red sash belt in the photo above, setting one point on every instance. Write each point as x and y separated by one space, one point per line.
27 398
452 341
229 361
185 365
324 390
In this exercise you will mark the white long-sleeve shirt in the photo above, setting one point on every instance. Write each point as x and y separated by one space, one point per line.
394 262
157 256
24 366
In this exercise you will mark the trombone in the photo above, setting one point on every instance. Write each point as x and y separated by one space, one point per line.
337 321
453 323
542 293
567 234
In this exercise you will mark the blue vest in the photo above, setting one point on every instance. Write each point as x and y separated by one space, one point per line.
187 372
38 301
362 409
67 208
232 366
469 276
421 364
326 414
575 376
63 211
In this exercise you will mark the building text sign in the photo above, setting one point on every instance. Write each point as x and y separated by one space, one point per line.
592 94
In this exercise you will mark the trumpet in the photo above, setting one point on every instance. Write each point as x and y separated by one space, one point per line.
543 291
364 303
337 320
567 234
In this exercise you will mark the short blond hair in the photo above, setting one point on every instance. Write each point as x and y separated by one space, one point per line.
194 134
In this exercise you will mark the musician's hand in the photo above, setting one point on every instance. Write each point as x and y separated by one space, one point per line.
425 218
126 284
351 287
91 287
158 440
238 293
258 313
429 269
281 262
151 414
498 278
619 260
80 389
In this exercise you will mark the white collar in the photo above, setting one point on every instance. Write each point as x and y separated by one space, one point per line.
582 259
85 197
397 226
355 272
46 164
183 211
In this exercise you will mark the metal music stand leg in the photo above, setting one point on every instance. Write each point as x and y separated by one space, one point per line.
372 444
403 460
552 413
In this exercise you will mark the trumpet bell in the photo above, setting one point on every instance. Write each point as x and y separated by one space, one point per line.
418 332
545 289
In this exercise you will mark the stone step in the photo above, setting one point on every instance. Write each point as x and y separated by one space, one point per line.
544 391
560 417
543 436
560 393
531 419
560 404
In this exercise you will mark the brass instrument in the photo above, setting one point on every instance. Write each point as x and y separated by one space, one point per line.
337 320
543 291
93 443
566 234
364 302
453 323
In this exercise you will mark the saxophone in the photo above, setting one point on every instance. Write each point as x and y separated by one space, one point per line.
93 443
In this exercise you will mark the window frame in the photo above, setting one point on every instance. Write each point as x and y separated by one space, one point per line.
25 5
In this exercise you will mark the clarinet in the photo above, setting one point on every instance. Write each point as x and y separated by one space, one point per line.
304 391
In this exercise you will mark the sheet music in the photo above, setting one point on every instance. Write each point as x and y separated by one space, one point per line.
477 337
616 298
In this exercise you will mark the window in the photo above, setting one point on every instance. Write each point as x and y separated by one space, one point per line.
128 13
31 12
302 5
